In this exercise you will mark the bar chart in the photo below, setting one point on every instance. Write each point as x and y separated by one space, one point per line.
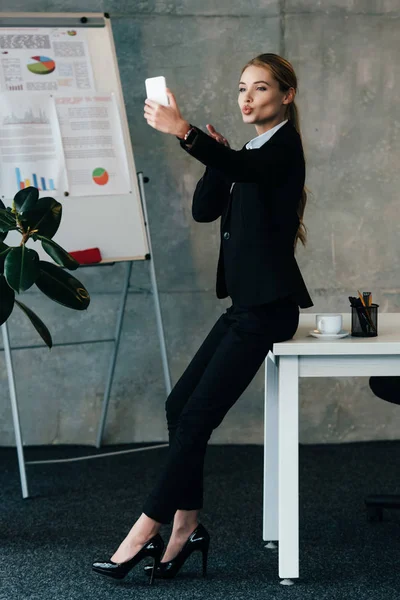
23 183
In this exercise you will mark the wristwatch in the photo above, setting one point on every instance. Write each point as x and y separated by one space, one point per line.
190 135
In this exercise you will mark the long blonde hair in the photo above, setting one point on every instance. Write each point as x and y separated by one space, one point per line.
284 74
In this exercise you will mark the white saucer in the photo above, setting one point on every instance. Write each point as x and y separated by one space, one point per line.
332 336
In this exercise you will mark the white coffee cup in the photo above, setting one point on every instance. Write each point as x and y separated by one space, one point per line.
328 323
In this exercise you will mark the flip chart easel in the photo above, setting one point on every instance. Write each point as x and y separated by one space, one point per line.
132 243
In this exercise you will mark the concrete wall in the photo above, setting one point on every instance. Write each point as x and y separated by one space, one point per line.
346 58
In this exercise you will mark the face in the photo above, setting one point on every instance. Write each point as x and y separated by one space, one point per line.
260 96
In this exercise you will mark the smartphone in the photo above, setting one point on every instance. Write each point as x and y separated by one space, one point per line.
156 90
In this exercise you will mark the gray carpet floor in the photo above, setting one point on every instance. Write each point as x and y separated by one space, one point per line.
79 512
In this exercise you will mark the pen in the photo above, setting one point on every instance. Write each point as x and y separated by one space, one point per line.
366 311
367 298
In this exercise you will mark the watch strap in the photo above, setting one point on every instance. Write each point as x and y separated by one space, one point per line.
190 135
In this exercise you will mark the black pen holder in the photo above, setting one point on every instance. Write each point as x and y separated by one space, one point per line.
364 321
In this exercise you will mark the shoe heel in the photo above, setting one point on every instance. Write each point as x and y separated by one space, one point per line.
156 562
205 556
156 553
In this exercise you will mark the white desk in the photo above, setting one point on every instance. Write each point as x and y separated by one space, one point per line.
306 356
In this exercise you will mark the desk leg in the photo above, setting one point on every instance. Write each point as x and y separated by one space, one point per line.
288 458
270 503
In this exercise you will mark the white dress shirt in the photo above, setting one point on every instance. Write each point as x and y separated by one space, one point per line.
258 141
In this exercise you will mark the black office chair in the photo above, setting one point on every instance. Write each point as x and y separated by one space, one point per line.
387 388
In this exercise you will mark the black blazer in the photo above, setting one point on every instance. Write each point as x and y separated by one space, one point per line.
258 219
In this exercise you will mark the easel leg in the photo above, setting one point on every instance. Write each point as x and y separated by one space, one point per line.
14 408
117 338
160 328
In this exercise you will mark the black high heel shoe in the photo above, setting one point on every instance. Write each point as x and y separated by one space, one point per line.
199 539
154 548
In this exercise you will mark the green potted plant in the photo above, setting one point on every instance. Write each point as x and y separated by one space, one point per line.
21 268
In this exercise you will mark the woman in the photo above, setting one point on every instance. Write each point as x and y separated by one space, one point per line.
259 194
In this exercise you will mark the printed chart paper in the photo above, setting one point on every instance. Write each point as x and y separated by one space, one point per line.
40 59
93 145
31 151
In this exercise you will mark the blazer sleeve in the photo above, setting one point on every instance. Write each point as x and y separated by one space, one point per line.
210 196
270 163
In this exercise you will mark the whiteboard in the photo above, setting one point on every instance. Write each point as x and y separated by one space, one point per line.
118 228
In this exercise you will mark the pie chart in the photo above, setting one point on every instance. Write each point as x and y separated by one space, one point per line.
100 176
43 66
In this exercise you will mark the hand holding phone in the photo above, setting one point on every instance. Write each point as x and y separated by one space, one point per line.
161 109
156 90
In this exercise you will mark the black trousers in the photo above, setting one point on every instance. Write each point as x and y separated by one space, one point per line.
220 371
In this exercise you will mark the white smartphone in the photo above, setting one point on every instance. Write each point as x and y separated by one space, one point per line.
156 90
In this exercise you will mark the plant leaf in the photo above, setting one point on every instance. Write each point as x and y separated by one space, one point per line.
7 221
3 234
26 199
7 297
21 268
62 287
4 249
37 323
58 254
45 217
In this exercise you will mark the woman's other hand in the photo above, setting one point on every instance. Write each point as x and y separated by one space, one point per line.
167 119
217 136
